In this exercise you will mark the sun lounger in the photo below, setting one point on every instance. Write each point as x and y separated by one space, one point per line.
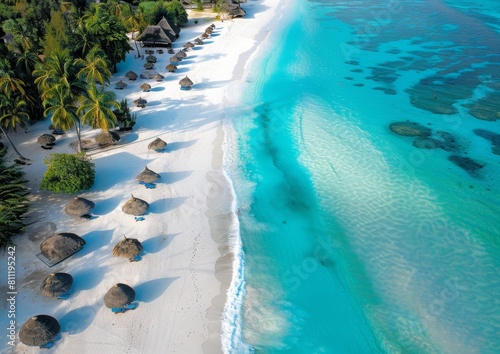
46 147
150 185
136 258
47 345
139 218
125 308
58 132
64 296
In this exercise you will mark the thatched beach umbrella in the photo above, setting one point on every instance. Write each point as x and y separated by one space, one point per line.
79 207
151 59
204 36
39 330
186 83
56 284
107 138
148 66
147 176
135 206
46 139
119 295
198 41
128 248
157 144
62 245
131 75
174 59
181 54
188 45
120 85
212 25
158 77
145 87
171 68
140 102
209 29
149 51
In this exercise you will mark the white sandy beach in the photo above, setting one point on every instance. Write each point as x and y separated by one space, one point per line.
182 279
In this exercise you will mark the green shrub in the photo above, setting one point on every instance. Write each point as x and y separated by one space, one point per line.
13 201
125 119
68 173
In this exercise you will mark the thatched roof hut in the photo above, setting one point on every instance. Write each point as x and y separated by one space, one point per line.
186 83
181 54
170 30
140 102
151 59
119 295
56 284
39 330
131 75
175 59
145 87
120 85
188 45
107 138
204 35
128 248
79 207
147 176
62 245
209 29
158 77
171 68
157 144
148 66
46 139
135 206
154 36
198 41
235 11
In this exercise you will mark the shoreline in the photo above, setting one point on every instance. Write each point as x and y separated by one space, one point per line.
183 279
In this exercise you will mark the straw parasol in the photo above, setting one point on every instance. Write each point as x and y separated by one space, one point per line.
120 85
46 139
148 66
119 295
151 59
212 25
186 83
157 144
171 68
62 245
181 54
131 75
188 45
147 176
56 284
158 77
140 102
149 51
128 248
79 207
174 59
107 138
145 87
209 29
198 41
204 36
39 330
135 206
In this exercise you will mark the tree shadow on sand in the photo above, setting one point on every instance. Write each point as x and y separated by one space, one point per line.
152 289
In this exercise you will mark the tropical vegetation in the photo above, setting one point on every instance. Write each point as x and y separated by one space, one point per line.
68 173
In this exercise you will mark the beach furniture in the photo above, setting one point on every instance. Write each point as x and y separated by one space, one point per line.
107 138
147 176
186 83
39 331
120 298
135 206
131 75
148 66
57 285
129 248
171 68
140 102
46 139
58 247
139 218
58 132
158 77
120 85
145 87
157 145
79 207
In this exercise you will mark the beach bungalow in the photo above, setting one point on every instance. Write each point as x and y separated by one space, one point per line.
57 285
39 331
119 298
186 83
163 34
129 248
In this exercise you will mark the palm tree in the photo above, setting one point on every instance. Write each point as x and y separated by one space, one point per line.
96 109
13 115
60 104
83 42
94 67
9 83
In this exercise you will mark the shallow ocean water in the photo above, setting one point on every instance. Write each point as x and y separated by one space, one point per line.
355 240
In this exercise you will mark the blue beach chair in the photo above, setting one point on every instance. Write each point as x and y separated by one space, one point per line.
139 218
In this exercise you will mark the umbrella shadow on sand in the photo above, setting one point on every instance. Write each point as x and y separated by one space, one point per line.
152 289
157 243
172 177
95 240
163 205
77 320
106 206
177 145
87 279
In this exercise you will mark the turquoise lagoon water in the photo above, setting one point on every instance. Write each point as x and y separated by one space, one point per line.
353 239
